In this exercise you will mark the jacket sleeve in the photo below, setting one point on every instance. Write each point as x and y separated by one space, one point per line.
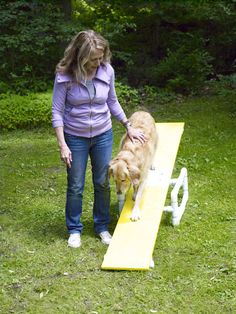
112 101
58 102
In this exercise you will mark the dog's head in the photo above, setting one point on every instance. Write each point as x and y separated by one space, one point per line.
124 175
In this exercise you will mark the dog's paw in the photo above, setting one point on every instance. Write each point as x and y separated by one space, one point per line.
135 216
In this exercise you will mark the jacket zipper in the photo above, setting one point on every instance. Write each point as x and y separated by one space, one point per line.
90 104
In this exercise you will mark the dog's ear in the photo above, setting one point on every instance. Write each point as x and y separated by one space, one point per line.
112 167
134 173
126 172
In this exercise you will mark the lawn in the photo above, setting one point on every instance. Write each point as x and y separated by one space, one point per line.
195 262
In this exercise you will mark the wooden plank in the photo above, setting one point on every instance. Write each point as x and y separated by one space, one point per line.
133 243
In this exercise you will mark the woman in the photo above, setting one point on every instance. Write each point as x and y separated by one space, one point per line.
84 99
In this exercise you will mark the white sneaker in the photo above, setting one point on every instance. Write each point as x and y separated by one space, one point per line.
74 240
105 237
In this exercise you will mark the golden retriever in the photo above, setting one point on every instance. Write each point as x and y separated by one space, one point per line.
131 165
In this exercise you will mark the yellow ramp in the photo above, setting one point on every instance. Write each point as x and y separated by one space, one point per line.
133 243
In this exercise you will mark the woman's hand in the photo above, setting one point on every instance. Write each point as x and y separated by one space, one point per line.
135 134
66 155
65 152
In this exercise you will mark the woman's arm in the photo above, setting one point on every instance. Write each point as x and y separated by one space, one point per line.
118 112
58 105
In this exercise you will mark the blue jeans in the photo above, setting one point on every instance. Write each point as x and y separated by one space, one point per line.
99 148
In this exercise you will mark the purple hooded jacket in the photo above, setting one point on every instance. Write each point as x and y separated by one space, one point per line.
73 109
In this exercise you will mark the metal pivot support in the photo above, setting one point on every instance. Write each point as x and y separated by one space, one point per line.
176 209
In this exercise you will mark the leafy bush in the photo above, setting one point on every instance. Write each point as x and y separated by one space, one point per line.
128 97
32 39
222 85
184 71
153 97
29 111
27 81
144 98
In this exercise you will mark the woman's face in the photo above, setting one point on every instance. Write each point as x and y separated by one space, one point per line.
96 57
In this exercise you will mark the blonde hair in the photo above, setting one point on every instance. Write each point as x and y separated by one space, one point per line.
78 52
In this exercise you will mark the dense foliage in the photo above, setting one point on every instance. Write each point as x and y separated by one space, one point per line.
25 111
176 45
32 39
172 44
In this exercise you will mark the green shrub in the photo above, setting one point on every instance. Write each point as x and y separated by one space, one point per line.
221 85
146 97
128 97
153 96
183 71
22 85
32 40
32 110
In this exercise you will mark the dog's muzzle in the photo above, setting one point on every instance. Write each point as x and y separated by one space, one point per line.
121 200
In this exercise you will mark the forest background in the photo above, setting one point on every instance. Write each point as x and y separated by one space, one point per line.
173 45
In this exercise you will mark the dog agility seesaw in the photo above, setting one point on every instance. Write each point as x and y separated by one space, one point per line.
133 243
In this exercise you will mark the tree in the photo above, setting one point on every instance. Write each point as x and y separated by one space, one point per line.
173 44
32 39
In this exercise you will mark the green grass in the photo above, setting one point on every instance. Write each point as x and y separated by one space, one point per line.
195 262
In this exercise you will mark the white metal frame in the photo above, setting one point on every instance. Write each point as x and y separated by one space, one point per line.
176 209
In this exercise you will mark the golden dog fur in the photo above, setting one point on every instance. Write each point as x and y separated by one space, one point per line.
131 165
